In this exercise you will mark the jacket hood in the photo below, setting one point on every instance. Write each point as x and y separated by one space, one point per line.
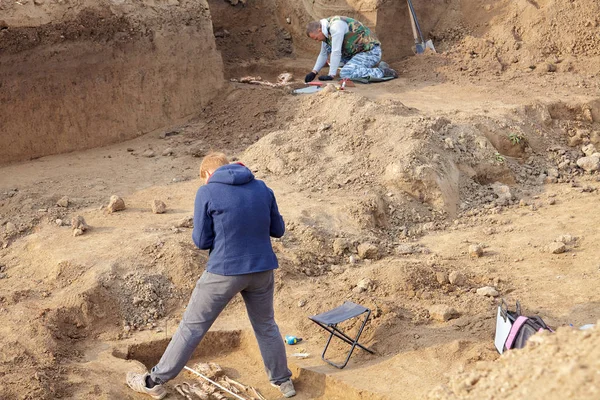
232 174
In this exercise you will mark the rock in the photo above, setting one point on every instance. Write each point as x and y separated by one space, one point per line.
59 222
167 152
337 269
589 150
63 202
557 248
364 285
442 313
404 249
340 245
324 127
276 166
475 251
158 206
187 222
301 303
10 228
487 291
352 259
368 251
566 239
77 232
197 150
448 143
441 277
115 204
38 2
3 275
591 163
79 223
503 192
456 278
149 153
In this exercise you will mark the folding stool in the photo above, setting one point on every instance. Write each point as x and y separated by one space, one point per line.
329 321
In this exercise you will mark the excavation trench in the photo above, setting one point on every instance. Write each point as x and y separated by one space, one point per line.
236 352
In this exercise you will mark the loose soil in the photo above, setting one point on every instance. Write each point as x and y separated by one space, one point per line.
384 189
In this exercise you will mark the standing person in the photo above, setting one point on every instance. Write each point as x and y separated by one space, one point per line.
234 217
347 40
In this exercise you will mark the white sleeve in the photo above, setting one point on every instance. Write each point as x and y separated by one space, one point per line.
337 30
322 59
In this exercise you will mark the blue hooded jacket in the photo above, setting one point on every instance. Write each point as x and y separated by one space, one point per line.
234 217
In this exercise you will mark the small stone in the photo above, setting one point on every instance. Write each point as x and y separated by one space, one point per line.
591 163
115 204
10 228
552 202
441 277
324 127
63 202
557 248
38 2
340 245
589 150
167 152
487 291
77 232
288 20
352 259
448 143
3 275
364 285
78 222
566 239
149 153
337 269
456 278
59 222
404 249
442 313
502 191
187 222
368 251
301 303
158 207
475 251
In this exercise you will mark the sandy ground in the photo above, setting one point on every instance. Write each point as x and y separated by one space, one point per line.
384 188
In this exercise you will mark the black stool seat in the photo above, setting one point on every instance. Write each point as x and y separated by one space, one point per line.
329 321
339 314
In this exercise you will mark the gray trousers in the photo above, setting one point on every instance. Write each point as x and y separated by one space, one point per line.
209 298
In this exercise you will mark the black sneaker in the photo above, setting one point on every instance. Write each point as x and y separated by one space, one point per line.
387 71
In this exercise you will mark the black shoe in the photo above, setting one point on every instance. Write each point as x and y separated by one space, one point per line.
387 71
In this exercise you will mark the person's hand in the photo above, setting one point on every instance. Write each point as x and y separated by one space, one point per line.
310 77
326 78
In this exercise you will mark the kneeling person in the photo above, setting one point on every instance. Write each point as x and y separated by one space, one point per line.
347 40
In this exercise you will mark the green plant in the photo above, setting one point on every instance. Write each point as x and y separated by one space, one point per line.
499 158
515 138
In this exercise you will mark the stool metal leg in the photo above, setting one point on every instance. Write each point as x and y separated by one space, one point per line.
339 334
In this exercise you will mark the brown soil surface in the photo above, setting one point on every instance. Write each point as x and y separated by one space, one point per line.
477 144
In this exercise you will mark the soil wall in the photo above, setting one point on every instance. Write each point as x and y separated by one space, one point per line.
102 74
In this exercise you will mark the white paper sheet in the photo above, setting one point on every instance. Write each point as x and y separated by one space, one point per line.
502 331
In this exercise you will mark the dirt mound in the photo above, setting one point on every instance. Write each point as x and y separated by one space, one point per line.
501 36
558 365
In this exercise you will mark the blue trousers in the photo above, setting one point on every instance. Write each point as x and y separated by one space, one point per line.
362 65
